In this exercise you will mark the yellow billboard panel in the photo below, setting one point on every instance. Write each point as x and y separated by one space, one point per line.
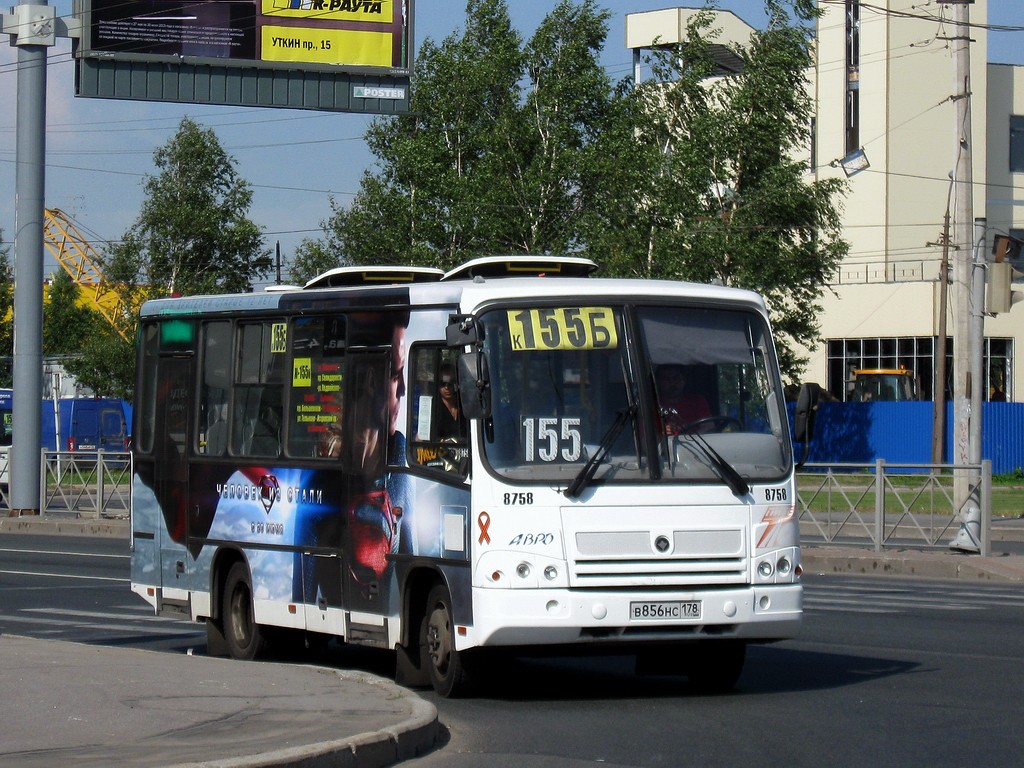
326 46
331 10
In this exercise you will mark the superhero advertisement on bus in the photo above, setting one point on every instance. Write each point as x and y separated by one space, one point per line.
316 532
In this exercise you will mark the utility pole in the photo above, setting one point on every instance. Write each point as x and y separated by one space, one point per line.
963 341
939 387
32 29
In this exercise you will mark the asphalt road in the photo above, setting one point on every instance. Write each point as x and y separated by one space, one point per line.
885 672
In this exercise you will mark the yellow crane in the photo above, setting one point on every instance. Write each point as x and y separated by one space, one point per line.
80 260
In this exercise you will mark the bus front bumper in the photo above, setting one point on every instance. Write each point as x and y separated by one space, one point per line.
513 617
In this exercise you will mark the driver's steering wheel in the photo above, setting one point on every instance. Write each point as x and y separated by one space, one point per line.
717 424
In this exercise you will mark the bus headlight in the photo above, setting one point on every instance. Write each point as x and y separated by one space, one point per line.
519 570
780 567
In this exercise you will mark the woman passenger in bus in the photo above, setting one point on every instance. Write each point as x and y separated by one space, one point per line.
450 423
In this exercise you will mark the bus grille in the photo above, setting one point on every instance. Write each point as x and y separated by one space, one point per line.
645 558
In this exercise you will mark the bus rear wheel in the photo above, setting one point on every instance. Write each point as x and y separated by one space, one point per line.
244 637
447 666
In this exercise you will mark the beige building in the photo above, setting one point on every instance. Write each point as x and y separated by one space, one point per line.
883 84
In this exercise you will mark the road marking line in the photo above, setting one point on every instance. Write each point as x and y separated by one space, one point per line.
62 553
66 576
169 628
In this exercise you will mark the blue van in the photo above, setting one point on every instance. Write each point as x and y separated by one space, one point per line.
87 424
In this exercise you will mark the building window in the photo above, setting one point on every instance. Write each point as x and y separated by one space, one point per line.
852 76
998 369
813 131
917 354
1017 143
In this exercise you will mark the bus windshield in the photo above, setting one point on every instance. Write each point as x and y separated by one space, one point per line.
663 393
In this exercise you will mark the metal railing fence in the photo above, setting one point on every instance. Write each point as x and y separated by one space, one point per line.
92 484
879 504
890 505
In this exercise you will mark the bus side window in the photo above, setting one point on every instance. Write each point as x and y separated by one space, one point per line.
266 434
145 414
440 431
215 383
315 388
258 384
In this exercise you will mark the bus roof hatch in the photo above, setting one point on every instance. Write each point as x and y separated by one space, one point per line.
523 266
374 275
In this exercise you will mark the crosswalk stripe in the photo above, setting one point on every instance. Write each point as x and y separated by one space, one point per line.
170 627
891 597
98 615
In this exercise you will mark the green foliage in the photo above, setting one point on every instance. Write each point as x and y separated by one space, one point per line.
6 319
105 364
724 198
1014 478
66 325
88 346
311 258
192 234
493 158
516 147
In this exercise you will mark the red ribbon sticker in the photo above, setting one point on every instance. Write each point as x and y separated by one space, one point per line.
484 521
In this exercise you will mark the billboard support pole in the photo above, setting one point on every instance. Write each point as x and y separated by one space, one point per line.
33 29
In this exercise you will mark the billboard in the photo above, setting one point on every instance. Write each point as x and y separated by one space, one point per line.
352 55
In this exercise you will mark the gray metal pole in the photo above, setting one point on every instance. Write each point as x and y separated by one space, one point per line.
939 387
963 218
968 538
30 156
977 339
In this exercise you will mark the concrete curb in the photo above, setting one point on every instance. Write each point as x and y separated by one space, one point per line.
932 565
74 683
69 526
374 749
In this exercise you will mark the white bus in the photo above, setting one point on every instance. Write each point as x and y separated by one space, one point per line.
300 465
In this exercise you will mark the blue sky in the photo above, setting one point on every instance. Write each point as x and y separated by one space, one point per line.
98 151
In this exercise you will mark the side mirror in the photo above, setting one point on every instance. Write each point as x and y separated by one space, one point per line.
474 385
462 331
806 411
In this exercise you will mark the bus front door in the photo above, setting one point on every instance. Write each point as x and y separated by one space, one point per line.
170 472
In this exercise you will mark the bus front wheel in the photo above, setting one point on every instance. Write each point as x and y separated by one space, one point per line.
243 636
447 666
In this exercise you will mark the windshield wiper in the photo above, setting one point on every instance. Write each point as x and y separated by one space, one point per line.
586 474
722 468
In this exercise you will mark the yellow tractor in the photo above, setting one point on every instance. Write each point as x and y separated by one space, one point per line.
871 384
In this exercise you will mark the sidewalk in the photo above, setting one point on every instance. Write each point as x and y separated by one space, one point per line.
85 705
930 564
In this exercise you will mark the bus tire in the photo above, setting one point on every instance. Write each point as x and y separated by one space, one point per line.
446 666
245 638
715 666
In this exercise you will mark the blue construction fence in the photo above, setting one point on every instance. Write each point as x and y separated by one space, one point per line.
901 433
